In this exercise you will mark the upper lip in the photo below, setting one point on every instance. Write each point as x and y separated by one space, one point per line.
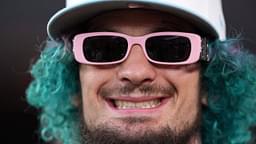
137 99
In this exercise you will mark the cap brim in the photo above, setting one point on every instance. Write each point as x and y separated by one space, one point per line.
67 18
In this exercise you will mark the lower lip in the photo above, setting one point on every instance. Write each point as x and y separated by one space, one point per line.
139 110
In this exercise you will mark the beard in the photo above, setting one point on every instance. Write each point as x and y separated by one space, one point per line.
105 134
108 133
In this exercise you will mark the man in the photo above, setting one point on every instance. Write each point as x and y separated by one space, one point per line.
143 71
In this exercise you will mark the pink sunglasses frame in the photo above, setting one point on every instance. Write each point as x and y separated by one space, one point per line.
196 46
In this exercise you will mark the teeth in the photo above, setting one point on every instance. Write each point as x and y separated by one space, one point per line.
135 105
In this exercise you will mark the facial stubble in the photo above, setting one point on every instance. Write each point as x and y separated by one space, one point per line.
107 133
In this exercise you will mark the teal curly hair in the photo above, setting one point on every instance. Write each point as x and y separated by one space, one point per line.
229 80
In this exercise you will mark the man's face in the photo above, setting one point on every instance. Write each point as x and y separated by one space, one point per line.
137 98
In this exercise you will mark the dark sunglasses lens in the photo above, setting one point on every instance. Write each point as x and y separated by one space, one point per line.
168 48
104 48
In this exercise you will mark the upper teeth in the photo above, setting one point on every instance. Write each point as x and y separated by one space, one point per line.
132 105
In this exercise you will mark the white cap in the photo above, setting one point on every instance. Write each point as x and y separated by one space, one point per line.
207 15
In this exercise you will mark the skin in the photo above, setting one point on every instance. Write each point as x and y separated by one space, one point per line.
180 109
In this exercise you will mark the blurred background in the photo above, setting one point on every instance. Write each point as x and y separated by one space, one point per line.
22 30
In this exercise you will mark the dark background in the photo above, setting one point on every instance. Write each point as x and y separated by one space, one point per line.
23 28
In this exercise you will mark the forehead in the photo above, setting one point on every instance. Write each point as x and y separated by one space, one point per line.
147 20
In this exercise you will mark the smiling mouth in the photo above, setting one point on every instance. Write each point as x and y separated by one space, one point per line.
136 104
119 104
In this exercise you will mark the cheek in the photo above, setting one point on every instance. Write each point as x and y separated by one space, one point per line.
87 83
187 99
188 87
91 79
186 79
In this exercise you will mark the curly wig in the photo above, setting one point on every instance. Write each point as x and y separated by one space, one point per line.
229 80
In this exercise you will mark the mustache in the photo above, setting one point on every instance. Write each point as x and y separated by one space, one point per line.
144 89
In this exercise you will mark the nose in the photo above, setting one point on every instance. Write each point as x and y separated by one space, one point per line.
136 69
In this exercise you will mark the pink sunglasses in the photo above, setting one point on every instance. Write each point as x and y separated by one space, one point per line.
167 48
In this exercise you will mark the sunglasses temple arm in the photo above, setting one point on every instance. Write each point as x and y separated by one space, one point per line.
204 55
